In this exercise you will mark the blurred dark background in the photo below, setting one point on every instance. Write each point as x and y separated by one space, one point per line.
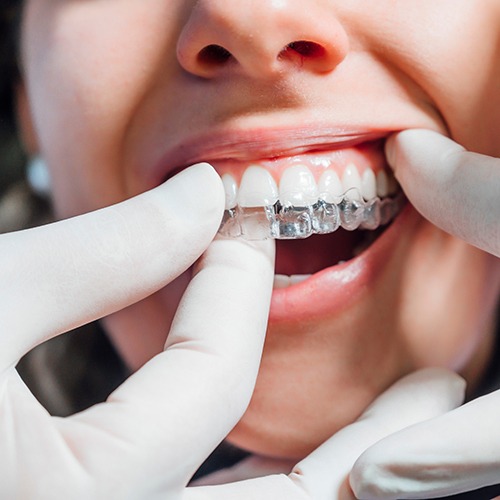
12 158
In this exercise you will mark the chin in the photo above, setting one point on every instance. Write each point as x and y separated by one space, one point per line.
415 297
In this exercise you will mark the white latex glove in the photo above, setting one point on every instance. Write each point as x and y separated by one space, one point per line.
454 453
460 451
155 430
455 189
323 475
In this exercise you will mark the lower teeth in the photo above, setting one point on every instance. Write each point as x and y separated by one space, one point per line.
289 222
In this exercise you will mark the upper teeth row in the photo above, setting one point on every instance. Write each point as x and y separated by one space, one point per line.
298 187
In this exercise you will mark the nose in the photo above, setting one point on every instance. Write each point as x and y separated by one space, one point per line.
261 38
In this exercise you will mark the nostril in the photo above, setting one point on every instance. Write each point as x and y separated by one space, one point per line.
304 48
214 55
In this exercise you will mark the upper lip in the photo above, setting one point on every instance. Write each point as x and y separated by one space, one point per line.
259 144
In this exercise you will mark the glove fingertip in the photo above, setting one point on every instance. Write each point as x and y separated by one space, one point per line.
199 188
369 479
412 152
444 381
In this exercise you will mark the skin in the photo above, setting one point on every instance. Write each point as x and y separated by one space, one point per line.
111 85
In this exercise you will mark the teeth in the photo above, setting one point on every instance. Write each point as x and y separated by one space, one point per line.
257 188
352 213
298 187
282 281
392 184
231 190
254 223
372 215
300 207
382 184
351 182
368 185
299 278
292 223
330 187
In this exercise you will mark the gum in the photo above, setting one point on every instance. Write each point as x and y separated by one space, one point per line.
290 222
365 156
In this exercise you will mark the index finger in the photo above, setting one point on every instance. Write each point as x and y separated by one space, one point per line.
453 188
175 410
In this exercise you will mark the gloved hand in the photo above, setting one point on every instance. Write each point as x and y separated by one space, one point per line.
155 430
458 191
455 189
323 475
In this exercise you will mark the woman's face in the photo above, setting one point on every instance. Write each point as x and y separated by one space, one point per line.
123 93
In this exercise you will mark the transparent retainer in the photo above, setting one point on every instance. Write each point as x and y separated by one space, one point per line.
280 222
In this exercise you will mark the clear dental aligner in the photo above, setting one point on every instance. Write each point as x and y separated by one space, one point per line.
296 222
301 207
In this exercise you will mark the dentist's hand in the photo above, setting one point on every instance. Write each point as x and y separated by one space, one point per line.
324 474
156 429
457 190
454 453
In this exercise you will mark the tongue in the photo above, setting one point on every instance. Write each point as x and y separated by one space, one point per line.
316 252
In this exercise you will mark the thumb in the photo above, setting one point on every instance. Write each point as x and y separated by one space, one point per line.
453 188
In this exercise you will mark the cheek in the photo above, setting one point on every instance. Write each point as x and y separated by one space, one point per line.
450 49
444 314
465 77
85 93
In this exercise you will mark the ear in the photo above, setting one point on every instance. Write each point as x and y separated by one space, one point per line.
25 120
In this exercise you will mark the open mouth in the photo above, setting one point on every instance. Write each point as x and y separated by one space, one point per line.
321 251
323 208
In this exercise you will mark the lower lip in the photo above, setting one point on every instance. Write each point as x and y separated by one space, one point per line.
336 288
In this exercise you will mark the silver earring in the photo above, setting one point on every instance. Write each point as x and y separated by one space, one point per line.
37 174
